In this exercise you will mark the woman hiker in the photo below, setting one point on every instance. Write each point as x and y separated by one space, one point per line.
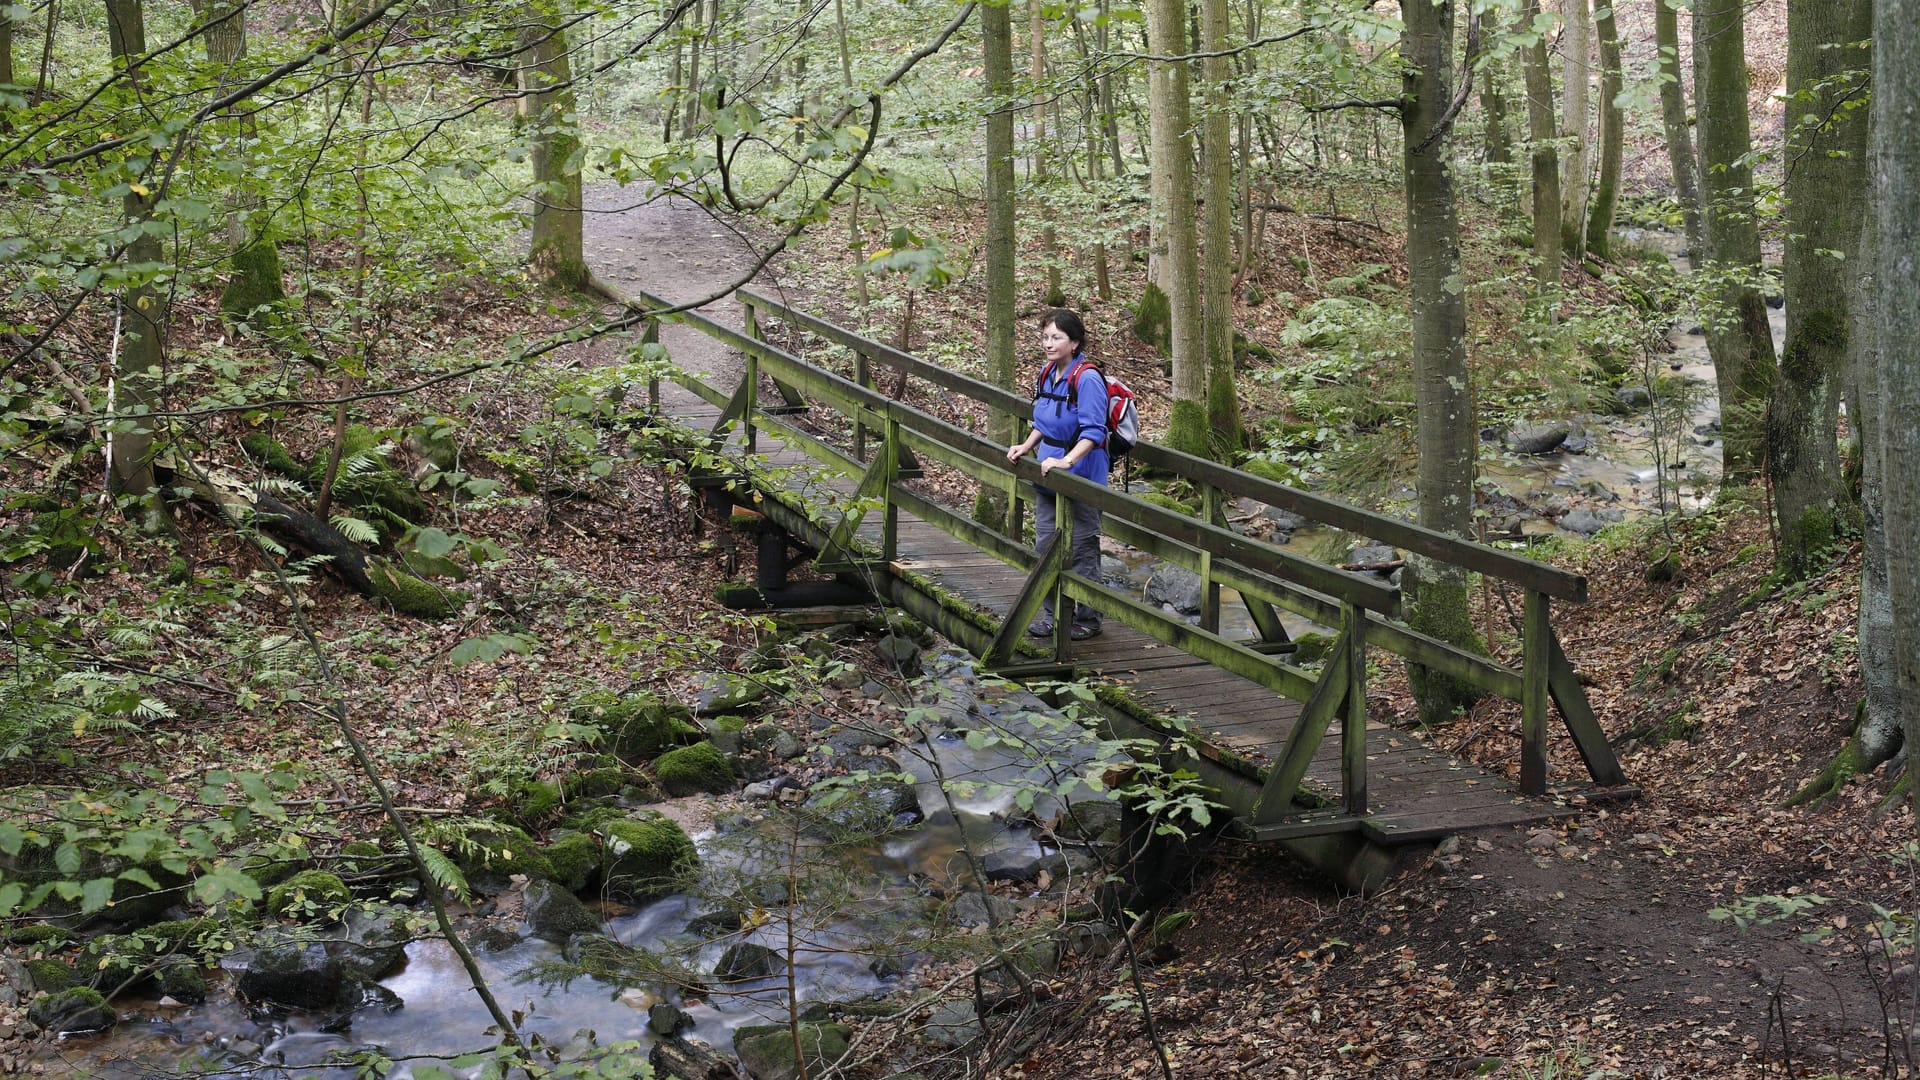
1070 424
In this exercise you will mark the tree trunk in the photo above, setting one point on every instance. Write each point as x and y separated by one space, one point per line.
254 282
143 305
1546 159
1499 150
689 91
1606 190
557 253
1896 180
6 45
1171 119
1223 402
1437 597
1576 45
996 28
1049 237
1734 312
1879 735
1826 177
1673 117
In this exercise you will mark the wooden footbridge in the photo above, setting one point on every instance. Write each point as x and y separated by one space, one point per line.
831 460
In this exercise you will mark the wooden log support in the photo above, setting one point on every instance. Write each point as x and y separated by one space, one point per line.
874 483
1353 718
1209 585
1044 579
651 336
890 524
863 375
1564 684
1536 661
1328 700
791 400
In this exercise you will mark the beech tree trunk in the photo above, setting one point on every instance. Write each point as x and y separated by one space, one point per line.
1896 189
1606 189
143 306
1223 402
1673 117
1171 120
996 30
558 252
1437 597
1576 46
1734 313
1042 175
1826 177
1545 158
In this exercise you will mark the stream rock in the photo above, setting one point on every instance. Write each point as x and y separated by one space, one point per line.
1539 439
871 808
1174 587
689 1059
973 908
746 961
953 1024
303 972
71 1011
902 652
767 1049
727 693
554 914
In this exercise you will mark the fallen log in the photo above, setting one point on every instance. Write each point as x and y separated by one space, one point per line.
246 506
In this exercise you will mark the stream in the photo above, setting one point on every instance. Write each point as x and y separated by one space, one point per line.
861 916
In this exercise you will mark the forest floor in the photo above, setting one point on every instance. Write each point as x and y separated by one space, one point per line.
1586 948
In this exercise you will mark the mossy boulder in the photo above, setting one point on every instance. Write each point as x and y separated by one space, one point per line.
573 857
767 1050
133 902
254 291
645 858
50 975
555 914
489 855
1153 319
307 895
598 782
72 1010
696 768
637 726
536 803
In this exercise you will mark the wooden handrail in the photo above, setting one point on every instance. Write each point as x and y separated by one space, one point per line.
1480 558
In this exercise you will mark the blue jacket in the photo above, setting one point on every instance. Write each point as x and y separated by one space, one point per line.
1063 419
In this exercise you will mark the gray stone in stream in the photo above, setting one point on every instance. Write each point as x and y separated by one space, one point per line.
767 1049
1015 864
554 914
1539 439
1634 397
902 653
1582 521
1065 866
871 808
1175 587
887 967
304 973
954 1024
1372 554
1090 819
667 1020
1285 520
748 961
971 909
72 1011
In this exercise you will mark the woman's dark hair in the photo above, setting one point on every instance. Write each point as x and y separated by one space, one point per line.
1069 324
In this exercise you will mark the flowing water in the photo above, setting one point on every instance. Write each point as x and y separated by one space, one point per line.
833 909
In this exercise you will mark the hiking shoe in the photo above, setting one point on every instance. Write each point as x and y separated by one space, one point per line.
1040 628
1083 631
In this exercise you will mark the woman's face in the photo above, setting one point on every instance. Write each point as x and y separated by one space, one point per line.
1057 345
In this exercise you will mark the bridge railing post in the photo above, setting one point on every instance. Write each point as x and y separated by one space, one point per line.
1536 666
890 510
863 374
1353 719
1211 511
651 336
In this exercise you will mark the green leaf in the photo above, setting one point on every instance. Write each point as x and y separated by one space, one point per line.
223 881
11 839
10 896
96 894
434 543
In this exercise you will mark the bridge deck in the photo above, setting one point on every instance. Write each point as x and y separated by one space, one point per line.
1414 792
